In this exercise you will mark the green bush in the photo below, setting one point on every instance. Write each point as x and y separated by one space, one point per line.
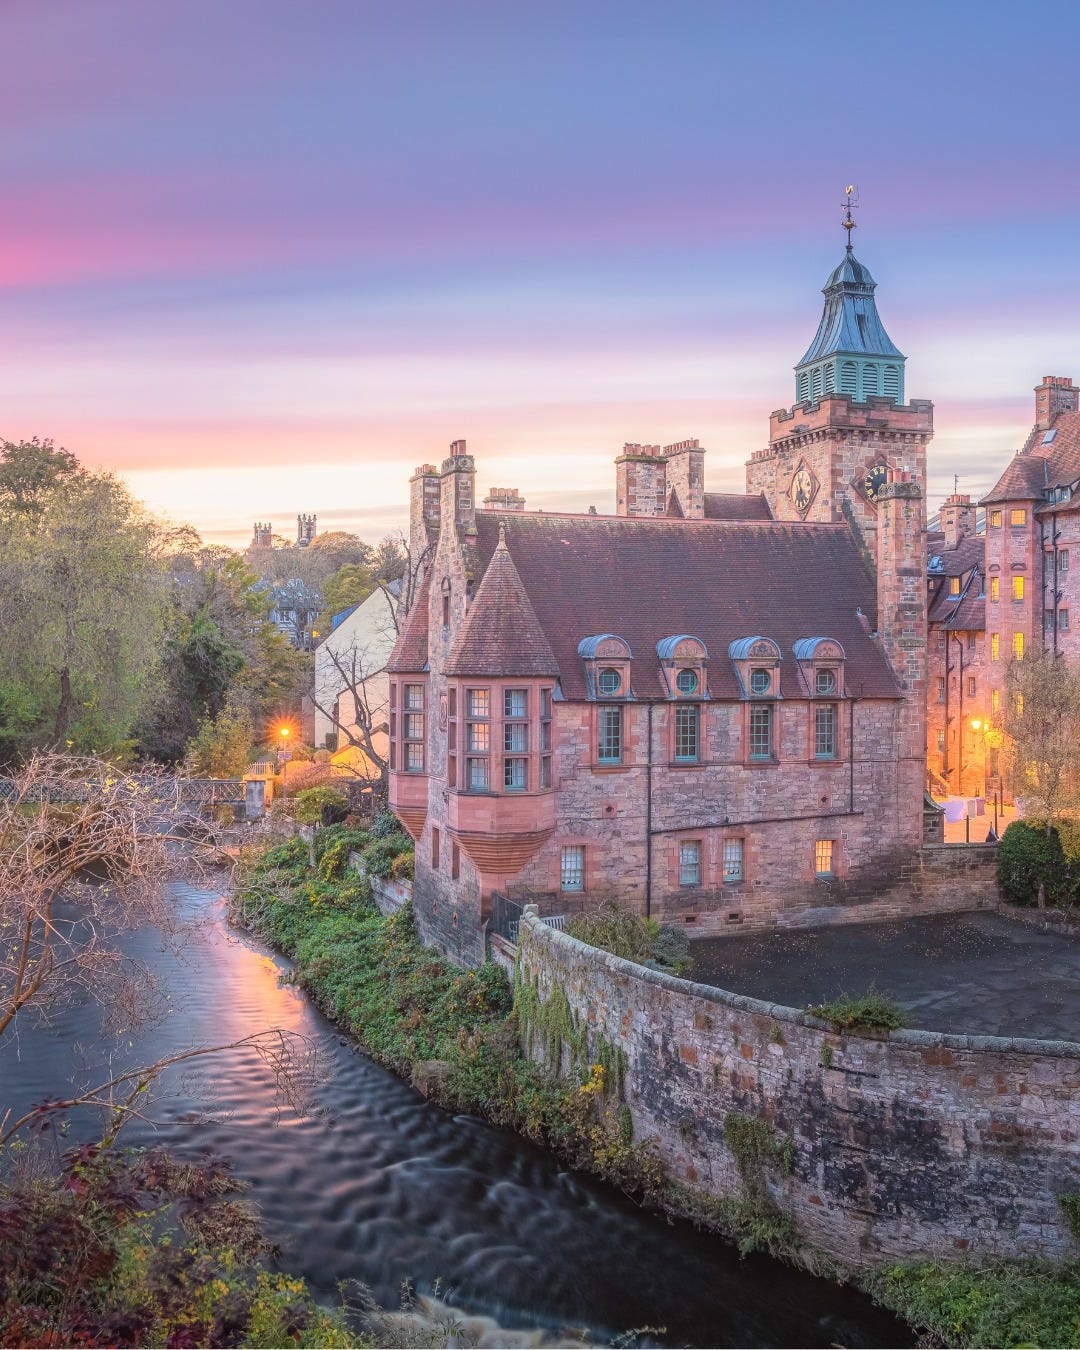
379 856
1017 1304
671 950
310 803
401 869
1028 857
615 930
872 1011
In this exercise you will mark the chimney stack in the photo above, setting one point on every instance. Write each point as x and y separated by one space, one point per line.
1056 394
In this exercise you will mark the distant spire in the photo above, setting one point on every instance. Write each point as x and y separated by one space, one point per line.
502 535
851 200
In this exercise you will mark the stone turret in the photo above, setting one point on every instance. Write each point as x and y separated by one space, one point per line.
305 530
263 535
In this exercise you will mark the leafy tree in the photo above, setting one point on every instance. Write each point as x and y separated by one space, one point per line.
81 602
221 748
30 471
1041 723
348 586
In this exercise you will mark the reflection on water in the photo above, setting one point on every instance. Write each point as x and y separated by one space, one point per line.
379 1186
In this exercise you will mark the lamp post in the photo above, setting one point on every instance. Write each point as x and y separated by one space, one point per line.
284 754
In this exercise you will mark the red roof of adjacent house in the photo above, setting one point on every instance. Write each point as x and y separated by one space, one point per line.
736 506
501 636
562 578
410 654
1041 463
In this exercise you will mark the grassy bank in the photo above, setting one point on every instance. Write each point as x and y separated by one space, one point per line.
458 1035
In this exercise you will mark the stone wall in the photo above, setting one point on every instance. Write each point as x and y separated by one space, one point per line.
389 895
903 1145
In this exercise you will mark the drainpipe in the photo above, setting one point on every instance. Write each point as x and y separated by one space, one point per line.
851 756
648 815
945 756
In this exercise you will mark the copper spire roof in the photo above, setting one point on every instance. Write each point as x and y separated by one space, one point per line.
501 635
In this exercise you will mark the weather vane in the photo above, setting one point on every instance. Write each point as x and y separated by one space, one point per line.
851 202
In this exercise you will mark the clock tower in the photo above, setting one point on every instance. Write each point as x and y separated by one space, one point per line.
830 455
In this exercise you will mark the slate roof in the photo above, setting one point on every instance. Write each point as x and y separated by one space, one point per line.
1038 466
850 323
736 506
410 654
647 579
501 635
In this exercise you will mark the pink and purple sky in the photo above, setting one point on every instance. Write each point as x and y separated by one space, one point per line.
266 256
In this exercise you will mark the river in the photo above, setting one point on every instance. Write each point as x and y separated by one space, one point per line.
380 1186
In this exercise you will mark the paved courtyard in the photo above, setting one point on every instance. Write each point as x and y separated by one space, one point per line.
987 974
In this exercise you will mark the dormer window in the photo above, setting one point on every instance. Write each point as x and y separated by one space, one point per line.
757 666
821 661
760 681
606 658
683 666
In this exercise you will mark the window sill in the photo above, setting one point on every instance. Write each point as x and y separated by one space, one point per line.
604 767
762 764
687 764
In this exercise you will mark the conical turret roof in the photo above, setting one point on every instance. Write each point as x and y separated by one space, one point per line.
501 636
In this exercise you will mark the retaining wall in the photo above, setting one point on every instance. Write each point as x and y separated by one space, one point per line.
905 1145
389 895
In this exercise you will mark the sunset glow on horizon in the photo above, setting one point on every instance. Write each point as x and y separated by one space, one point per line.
266 258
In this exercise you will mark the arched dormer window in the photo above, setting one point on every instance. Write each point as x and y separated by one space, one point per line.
821 663
683 666
757 666
606 658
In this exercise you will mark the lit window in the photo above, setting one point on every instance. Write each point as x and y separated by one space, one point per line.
686 734
995 647
823 855
479 703
478 737
825 731
476 775
995 700
825 681
995 588
1018 646
733 860
760 681
1018 516
515 702
609 682
609 736
1063 559
573 868
686 681
954 585
515 774
1018 588
761 732
414 697
690 864
995 520
1018 704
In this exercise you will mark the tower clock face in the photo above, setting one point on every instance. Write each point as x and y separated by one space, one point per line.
874 480
801 490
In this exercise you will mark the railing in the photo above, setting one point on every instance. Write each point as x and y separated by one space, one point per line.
506 918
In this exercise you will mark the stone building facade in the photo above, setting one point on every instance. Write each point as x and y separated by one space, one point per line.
709 707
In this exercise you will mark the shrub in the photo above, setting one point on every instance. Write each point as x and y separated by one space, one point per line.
873 1011
671 950
385 823
1028 858
616 930
378 858
311 801
401 869
88 1258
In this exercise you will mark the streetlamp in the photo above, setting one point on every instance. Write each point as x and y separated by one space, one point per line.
284 754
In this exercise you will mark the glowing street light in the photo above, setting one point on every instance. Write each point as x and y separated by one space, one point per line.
284 734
